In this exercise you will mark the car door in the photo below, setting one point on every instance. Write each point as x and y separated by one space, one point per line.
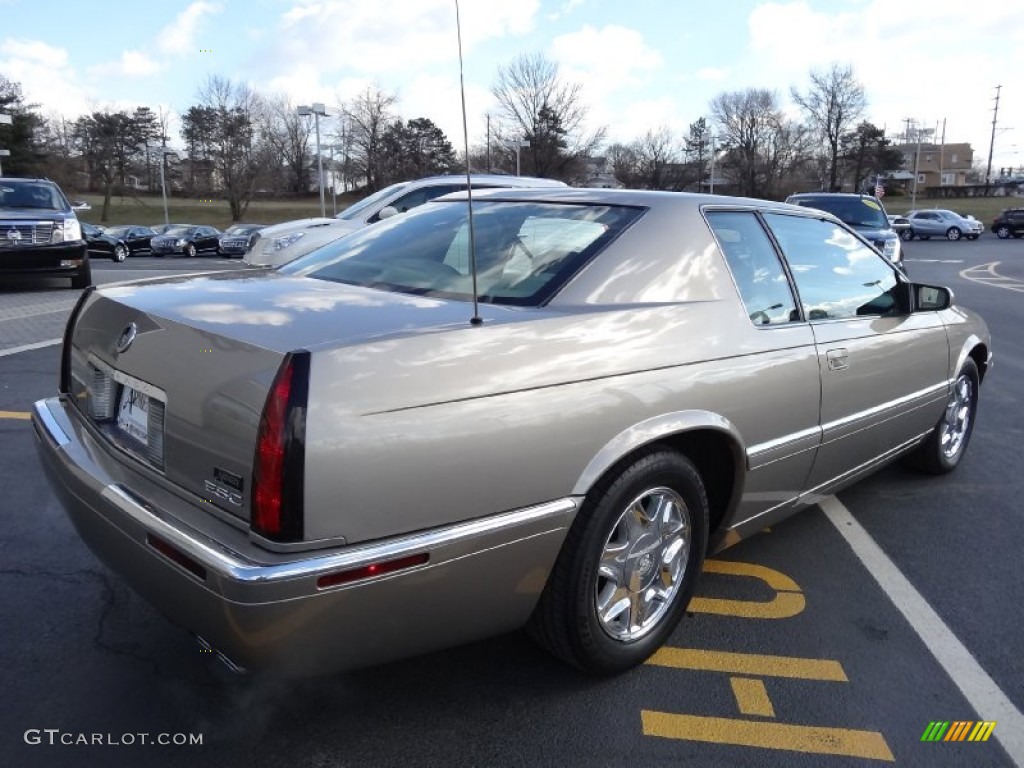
778 411
206 239
884 372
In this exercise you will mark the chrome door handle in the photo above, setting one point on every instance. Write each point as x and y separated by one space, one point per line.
838 360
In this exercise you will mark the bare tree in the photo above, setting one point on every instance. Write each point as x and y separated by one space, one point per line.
537 105
367 116
833 103
235 147
288 136
748 125
656 160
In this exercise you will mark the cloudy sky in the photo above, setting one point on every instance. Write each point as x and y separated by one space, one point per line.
643 64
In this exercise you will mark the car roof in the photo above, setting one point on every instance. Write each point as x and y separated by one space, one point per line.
488 178
636 197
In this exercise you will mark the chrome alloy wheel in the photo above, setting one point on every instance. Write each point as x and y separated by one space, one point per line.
642 564
957 421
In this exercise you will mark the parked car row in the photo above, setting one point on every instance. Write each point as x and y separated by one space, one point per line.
119 242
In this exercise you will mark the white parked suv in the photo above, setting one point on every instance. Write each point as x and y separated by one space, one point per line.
285 242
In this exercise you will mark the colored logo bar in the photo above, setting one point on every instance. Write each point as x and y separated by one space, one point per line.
958 730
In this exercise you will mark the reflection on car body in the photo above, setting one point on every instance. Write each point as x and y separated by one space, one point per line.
342 465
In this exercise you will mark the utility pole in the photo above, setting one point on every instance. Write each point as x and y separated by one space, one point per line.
992 141
488 116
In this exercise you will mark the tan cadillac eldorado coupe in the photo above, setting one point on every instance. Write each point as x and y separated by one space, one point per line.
357 457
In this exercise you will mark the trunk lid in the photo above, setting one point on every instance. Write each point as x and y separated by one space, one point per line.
175 372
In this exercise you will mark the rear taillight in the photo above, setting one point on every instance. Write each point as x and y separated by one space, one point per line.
277 477
65 355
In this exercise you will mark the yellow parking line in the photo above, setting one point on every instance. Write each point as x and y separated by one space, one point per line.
21 415
751 696
752 733
749 664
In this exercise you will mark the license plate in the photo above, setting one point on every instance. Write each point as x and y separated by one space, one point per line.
133 414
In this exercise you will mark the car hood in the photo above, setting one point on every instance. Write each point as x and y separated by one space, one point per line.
282 312
287 227
875 233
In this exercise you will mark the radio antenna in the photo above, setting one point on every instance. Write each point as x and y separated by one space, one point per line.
476 319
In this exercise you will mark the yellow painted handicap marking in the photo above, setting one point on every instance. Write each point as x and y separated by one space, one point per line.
754 733
746 670
788 600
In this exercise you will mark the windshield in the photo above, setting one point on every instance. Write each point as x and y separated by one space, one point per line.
178 231
855 211
117 231
366 204
39 195
525 252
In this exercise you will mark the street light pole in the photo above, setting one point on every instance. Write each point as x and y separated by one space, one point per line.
163 183
317 110
518 144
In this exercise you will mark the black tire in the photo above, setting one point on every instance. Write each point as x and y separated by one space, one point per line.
83 278
566 620
934 456
953 233
907 234
190 251
1002 232
120 253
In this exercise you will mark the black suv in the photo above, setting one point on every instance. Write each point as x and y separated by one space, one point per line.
863 213
39 233
1009 222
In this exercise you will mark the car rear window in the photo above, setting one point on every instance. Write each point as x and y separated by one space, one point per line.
525 252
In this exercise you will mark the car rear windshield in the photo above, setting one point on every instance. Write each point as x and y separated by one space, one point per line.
27 194
855 211
525 251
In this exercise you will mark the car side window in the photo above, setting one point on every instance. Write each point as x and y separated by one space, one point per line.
755 266
837 276
422 195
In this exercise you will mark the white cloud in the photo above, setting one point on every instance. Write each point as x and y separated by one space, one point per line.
131 64
358 36
181 37
45 75
914 63
712 74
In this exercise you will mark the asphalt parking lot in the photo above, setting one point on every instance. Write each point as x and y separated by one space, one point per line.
794 653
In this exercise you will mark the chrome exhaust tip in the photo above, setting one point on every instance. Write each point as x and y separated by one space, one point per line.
205 647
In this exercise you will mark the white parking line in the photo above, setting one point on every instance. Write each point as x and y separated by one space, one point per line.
978 688
29 347
985 274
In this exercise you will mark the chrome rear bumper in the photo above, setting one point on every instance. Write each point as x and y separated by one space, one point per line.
264 609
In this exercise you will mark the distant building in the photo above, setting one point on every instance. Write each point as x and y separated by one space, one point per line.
597 174
938 165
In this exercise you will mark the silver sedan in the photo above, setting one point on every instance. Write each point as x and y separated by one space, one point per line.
446 426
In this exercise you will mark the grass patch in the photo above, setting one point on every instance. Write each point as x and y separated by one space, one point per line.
982 208
148 210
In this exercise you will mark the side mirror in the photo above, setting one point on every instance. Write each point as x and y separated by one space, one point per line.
387 212
930 298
